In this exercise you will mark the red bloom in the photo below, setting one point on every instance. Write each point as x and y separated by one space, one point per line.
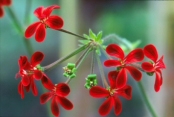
111 94
57 93
155 66
28 72
124 63
4 3
43 14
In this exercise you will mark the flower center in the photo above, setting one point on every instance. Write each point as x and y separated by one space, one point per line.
112 91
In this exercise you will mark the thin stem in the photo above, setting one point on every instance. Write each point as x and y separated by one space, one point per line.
101 71
68 32
92 62
54 64
147 102
27 11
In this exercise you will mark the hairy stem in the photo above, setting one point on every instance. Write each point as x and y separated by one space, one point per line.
92 62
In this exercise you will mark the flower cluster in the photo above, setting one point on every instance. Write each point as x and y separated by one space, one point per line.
2 4
123 64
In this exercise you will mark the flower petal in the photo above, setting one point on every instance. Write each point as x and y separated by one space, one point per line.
22 61
45 97
135 73
33 87
55 22
40 33
54 107
151 52
62 89
46 82
31 29
21 90
160 64
112 63
157 82
98 92
136 55
115 50
37 74
126 92
121 78
37 58
106 107
148 67
47 11
1 12
7 2
66 104
27 88
25 80
39 12
112 75
117 106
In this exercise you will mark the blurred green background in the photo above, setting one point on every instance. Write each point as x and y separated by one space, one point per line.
148 21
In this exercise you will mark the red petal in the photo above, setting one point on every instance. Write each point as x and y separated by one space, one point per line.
117 106
54 107
23 63
121 78
135 73
27 88
55 22
151 52
39 12
31 29
112 75
65 103
148 67
115 50
47 82
38 74
7 2
33 87
106 107
1 12
21 90
136 55
98 92
111 63
62 89
157 82
40 33
45 97
160 64
47 11
126 92
25 80
37 58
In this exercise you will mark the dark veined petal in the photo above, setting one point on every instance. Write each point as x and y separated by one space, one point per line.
151 52
22 61
112 75
37 74
40 33
54 22
66 104
21 90
115 50
112 63
47 82
158 82
31 29
126 92
136 55
25 80
1 12
37 58
54 107
121 78
98 92
39 12
27 88
117 106
160 64
160 73
45 97
106 107
48 10
148 67
135 73
7 2
62 89
33 87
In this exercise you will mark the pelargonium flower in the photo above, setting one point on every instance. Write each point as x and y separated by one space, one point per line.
124 63
4 3
57 93
28 72
43 14
154 66
111 95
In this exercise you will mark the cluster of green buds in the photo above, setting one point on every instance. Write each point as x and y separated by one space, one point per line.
70 70
91 81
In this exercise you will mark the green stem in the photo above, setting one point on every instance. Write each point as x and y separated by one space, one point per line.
27 12
147 102
92 63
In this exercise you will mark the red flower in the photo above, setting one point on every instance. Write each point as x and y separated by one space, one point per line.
28 72
123 63
54 22
57 93
155 66
4 3
111 94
